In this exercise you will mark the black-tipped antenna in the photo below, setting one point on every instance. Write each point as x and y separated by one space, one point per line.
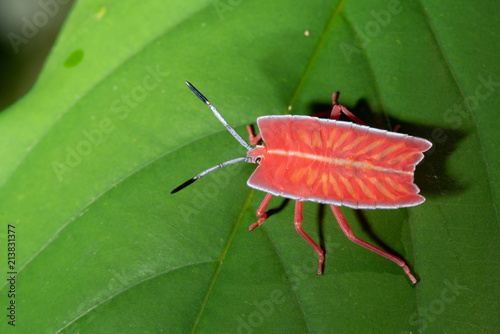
210 170
219 116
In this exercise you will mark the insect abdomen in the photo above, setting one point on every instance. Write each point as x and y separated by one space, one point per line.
338 163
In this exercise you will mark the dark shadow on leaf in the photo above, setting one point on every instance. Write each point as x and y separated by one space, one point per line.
431 174
365 225
321 233
283 205
321 218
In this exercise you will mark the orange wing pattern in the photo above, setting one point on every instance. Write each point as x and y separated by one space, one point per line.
338 163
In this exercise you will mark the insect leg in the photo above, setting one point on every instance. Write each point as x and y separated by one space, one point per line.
298 227
336 111
330 113
261 212
348 232
254 139
337 108
336 114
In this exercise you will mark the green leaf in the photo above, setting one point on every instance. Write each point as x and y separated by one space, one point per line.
90 155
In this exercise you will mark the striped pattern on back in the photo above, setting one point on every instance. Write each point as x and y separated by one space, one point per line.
338 163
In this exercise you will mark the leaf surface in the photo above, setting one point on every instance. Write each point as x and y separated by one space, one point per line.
90 155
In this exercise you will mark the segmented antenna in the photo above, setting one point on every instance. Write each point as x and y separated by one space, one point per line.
229 128
219 116
210 170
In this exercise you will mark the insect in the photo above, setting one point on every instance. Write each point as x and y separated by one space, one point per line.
331 162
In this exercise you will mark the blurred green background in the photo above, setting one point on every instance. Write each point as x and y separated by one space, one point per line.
90 154
22 57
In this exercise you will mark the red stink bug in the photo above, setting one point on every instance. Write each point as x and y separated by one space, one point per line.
330 162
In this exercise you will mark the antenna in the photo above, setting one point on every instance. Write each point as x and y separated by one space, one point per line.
229 128
210 170
219 116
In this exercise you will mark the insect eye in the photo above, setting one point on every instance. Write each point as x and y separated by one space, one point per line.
258 160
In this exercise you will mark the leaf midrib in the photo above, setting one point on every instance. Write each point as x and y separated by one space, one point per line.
245 206
144 280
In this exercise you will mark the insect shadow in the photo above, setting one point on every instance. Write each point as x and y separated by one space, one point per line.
278 209
363 221
430 175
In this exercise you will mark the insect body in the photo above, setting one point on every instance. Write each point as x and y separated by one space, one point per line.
336 163
330 162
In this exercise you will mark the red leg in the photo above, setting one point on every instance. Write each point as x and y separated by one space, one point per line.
333 115
253 139
261 212
298 223
336 110
349 114
348 232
